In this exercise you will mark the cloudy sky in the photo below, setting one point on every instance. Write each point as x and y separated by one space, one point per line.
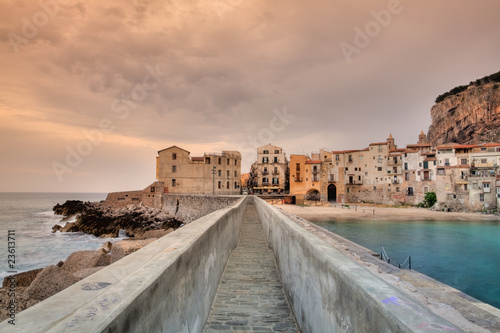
91 90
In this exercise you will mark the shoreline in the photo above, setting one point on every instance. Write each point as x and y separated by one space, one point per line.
462 310
374 213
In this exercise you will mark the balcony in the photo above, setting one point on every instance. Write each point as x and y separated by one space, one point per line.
355 182
265 183
315 179
298 179
315 172
276 173
265 172
331 179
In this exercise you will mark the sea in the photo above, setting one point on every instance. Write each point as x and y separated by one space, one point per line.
27 218
462 254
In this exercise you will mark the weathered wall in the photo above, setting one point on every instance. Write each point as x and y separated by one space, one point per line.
189 207
167 286
329 292
150 196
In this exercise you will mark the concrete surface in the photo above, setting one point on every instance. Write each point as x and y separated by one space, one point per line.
250 296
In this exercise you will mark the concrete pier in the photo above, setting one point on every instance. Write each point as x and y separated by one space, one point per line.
250 296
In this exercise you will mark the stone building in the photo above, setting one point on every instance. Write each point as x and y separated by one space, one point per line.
270 170
212 173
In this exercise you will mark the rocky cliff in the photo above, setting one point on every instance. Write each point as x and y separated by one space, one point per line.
470 116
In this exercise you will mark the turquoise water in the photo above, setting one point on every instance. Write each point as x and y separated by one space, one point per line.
464 255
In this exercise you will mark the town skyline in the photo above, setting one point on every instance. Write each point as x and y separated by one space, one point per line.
92 91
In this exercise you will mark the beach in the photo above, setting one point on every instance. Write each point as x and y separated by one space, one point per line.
375 212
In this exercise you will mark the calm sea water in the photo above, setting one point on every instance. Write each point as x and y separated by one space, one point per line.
30 215
464 255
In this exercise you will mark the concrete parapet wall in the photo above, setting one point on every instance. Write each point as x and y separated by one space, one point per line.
189 207
328 292
167 286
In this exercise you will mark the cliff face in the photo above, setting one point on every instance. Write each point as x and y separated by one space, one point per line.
472 116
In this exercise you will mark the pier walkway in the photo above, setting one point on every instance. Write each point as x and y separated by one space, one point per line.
250 296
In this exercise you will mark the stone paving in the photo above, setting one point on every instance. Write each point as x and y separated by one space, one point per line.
250 296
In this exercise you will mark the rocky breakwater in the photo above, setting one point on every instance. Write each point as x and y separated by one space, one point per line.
100 220
467 114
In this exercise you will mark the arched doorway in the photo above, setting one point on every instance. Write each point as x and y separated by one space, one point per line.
332 193
313 195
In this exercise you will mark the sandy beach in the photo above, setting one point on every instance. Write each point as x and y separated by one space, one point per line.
370 212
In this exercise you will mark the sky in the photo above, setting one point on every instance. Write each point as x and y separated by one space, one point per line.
90 91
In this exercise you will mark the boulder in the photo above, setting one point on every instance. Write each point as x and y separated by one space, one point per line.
49 281
22 279
83 259
156 233
83 273
107 246
125 247
56 228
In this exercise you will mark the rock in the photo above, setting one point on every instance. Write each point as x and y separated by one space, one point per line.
83 273
125 247
84 259
49 281
469 117
68 227
60 263
22 279
107 246
70 207
56 228
156 233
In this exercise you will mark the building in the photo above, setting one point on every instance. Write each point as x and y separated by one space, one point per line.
270 171
212 173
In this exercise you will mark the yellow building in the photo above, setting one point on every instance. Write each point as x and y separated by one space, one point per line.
213 173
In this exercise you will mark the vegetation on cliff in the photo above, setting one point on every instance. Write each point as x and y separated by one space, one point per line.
493 78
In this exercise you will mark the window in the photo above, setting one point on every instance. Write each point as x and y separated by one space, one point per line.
174 168
220 161
374 188
463 161
426 189
153 189
220 173
235 184
483 148
360 157
265 152
484 161
350 159
337 158
227 185
355 169
420 164
276 181
446 162
228 161
276 151
440 172
379 168
207 160
275 159
410 190
379 149
174 182
465 187
235 173
407 176
265 181
265 159
174 156
235 162
121 199
297 166
359 178
227 175
219 185
486 187
481 196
